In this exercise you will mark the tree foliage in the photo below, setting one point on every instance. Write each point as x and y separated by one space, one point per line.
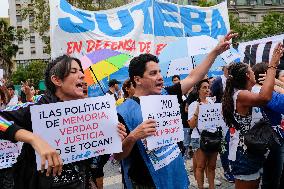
8 49
33 72
272 24
206 3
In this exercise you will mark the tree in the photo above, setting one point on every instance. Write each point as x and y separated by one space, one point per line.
206 3
8 35
40 13
272 24
33 72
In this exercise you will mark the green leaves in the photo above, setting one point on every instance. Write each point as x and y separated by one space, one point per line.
272 24
34 71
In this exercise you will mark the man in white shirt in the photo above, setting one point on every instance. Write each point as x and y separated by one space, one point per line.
14 98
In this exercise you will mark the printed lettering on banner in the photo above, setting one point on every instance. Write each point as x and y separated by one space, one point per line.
78 129
143 26
260 50
164 109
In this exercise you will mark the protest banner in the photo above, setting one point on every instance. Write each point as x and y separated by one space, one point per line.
164 109
260 50
210 115
144 26
78 129
8 153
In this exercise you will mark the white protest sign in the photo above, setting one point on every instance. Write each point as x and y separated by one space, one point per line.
200 45
8 153
210 115
78 129
180 66
230 55
164 109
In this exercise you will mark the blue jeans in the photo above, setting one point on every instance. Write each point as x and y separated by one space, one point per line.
272 168
186 142
246 164
224 156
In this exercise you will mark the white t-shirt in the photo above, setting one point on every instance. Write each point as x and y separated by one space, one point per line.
256 111
191 110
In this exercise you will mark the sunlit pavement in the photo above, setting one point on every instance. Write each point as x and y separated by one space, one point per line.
112 178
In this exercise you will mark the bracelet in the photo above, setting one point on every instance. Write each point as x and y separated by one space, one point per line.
195 115
272 67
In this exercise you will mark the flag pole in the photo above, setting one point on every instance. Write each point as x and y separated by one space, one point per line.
97 80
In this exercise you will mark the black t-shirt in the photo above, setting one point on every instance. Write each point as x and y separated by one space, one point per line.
138 171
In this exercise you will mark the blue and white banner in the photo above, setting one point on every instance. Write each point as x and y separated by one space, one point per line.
144 26
260 50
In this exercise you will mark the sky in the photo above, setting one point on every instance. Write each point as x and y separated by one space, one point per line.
4 6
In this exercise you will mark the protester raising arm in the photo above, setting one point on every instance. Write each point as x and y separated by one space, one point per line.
201 70
249 99
278 87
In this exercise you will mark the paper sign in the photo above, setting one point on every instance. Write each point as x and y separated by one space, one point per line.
200 45
78 129
164 109
230 55
8 153
180 66
211 117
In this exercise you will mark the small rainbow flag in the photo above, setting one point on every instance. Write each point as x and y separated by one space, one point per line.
4 124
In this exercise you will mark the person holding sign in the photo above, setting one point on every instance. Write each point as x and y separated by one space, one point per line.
140 164
64 79
238 101
202 160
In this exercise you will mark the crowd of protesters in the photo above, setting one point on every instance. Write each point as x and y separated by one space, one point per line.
252 101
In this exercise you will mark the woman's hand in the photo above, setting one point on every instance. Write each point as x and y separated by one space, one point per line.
47 153
277 54
121 131
224 43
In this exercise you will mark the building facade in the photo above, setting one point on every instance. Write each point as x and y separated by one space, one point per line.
32 48
252 11
248 11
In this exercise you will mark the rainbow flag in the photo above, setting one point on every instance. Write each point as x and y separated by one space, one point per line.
4 124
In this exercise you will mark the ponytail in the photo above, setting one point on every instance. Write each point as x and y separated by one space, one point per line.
236 80
228 103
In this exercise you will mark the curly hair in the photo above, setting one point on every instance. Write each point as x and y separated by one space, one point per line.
237 80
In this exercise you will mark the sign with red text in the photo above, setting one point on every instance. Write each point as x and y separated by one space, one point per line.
8 153
143 26
164 109
78 129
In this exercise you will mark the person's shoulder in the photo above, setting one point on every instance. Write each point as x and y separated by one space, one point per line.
194 103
